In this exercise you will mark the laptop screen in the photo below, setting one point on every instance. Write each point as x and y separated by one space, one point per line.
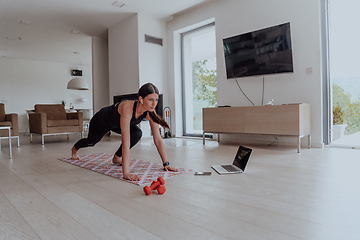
242 157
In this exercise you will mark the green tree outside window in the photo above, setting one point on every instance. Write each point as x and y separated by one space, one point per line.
204 90
346 111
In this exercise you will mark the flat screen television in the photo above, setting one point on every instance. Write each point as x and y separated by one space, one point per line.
260 52
134 96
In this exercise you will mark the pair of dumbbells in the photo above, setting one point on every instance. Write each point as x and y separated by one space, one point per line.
156 185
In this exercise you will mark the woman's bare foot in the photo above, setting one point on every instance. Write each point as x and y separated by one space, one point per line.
117 160
74 153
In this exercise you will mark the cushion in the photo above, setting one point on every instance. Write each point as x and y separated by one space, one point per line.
63 129
58 123
53 111
6 123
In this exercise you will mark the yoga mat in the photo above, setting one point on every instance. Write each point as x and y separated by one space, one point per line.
102 163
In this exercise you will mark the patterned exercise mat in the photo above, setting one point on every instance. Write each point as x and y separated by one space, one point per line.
102 163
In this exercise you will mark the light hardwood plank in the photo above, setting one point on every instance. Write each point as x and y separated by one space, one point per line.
106 224
48 221
12 225
119 200
281 195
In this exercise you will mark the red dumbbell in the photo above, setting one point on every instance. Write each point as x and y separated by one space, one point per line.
158 185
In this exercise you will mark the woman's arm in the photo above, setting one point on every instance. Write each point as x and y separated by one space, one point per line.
126 115
158 141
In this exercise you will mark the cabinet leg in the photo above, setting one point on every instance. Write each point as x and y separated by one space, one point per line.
299 144
309 141
203 138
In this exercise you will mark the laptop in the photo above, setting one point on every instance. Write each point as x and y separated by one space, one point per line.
239 164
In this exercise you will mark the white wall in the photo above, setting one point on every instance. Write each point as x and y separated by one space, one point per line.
132 61
234 17
124 57
24 83
152 57
100 60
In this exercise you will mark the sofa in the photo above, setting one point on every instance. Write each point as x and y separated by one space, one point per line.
10 119
52 119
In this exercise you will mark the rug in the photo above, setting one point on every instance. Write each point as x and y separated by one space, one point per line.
102 163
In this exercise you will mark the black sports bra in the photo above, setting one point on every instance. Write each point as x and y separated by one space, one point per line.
110 116
134 120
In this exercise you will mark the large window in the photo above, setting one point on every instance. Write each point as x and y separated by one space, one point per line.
344 74
198 76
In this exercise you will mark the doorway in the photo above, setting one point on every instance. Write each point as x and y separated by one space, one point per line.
343 20
199 87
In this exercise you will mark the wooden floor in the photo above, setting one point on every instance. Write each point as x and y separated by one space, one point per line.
281 195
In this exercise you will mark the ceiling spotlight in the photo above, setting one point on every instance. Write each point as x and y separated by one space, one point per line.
25 22
74 32
118 4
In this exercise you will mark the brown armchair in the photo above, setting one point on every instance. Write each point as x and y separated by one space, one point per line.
52 119
10 119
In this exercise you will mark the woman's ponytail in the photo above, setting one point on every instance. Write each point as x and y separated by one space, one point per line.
159 120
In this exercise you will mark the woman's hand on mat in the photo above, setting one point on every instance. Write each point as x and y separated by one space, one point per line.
131 177
170 168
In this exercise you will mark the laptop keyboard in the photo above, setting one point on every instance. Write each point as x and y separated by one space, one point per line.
229 168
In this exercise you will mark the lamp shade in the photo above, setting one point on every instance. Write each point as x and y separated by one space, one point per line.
78 84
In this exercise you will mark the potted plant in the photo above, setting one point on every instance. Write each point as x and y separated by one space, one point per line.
338 128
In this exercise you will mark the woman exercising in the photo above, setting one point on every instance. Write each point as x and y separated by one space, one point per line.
123 118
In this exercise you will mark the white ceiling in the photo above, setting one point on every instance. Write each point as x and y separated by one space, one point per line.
48 37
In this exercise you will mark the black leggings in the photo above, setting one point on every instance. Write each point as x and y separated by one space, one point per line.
97 130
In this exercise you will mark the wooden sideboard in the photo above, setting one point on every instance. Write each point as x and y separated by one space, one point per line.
291 120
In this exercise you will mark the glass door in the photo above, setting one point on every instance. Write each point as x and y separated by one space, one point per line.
199 89
344 74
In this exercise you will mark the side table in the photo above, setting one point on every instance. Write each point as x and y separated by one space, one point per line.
9 137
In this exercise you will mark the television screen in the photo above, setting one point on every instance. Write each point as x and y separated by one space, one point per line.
134 96
261 52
